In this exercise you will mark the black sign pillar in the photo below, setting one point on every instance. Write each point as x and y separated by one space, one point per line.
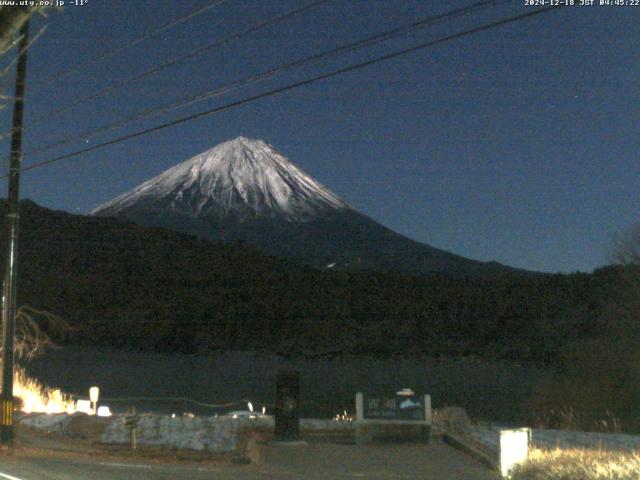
287 403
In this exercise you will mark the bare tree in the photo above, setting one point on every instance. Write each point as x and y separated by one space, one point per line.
626 247
622 314
11 19
36 330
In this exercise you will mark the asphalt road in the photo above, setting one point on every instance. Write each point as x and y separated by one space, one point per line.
278 462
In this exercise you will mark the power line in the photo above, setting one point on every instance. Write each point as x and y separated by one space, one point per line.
174 61
110 53
11 44
7 67
206 95
135 41
292 86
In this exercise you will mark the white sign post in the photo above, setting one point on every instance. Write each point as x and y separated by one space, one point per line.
94 393
514 448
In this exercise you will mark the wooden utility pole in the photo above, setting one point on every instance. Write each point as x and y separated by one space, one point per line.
11 245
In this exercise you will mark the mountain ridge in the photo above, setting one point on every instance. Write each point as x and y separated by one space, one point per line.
124 285
237 177
244 190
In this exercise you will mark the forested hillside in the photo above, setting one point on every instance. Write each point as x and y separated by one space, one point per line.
124 285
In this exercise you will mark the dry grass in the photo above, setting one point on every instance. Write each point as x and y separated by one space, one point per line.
567 418
577 464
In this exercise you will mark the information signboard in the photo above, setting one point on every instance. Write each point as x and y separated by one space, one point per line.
397 408
403 417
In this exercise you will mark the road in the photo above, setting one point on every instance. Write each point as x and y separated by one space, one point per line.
278 462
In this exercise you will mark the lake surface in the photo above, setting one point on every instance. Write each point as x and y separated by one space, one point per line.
489 390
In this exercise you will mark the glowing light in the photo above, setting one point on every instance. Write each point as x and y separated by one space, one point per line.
84 406
405 392
94 392
37 398
250 406
514 448
344 417
104 411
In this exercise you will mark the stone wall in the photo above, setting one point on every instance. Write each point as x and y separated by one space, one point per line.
221 434
211 434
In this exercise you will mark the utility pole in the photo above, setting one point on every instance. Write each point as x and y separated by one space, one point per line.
11 245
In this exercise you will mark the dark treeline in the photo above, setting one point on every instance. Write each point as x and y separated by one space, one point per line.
127 286
124 285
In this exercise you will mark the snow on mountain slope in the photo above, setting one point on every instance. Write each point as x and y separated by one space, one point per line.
244 190
239 178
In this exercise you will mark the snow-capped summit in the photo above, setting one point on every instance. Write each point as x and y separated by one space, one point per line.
240 178
244 190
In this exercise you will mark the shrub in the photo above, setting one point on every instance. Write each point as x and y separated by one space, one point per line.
575 464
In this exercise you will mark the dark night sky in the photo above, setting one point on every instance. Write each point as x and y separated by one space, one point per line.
519 144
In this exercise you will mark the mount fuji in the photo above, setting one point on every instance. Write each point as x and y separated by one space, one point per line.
244 190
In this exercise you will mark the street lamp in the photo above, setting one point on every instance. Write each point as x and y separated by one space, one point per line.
94 392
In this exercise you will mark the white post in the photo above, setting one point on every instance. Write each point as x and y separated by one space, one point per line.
94 392
359 407
514 448
427 409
